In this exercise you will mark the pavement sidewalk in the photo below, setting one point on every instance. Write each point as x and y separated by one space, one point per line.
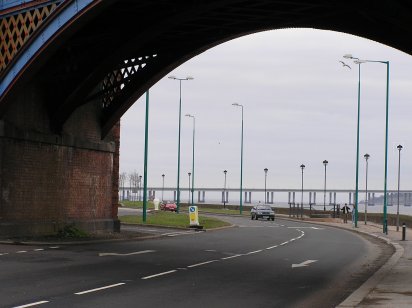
391 285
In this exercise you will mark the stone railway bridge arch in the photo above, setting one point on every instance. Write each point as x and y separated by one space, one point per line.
70 69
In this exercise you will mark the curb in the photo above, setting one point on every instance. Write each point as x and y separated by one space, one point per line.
367 287
362 292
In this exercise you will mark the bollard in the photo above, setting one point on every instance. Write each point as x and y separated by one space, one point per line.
403 231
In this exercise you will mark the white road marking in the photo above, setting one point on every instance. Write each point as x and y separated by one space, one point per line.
4 253
99 289
54 247
21 251
271 247
210 250
231 257
160 274
253 252
177 233
104 254
32 304
314 228
303 264
39 249
203 263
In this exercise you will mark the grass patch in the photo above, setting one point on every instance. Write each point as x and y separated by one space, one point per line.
171 219
137 204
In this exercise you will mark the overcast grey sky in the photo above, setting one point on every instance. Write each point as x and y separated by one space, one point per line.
300 106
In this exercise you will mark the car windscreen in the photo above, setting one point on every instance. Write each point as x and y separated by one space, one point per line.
266 208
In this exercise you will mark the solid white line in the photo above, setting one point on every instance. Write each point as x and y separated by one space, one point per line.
103 254
160 274
32 304
176 233
271 247
231 257
253 252
98 289
203 263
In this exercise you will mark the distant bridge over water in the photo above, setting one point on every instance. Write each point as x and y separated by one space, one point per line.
289 195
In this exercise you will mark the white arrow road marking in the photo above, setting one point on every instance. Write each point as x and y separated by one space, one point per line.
314 228
104 254
304 263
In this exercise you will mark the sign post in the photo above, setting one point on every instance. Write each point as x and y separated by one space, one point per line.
193 216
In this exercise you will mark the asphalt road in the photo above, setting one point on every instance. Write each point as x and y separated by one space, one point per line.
257 264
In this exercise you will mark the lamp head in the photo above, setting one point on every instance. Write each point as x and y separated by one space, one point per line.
266 170
400 147
366 156
172 77
302 166
325 162
224 171
348 56
189 78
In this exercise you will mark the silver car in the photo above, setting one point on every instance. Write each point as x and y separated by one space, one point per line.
262 211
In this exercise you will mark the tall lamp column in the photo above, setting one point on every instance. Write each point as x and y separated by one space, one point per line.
241 161
399 179
325 163
366 188
163 185
224 190
266 175
193 154
178 146
301 200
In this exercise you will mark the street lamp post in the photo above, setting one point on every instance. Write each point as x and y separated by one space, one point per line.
189 174
266 175
163 185
224 190
178 146
366 188
399 179
241 160
301 200
139 192
385 197
193 154
348 56
325 163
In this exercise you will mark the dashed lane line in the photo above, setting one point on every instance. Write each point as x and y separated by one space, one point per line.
231 257
27 251
32 304
202 263
104 254
159 274
101 288
253 252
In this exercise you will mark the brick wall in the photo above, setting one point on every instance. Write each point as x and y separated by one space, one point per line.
48 180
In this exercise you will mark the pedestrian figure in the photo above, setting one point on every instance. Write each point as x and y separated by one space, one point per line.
345 211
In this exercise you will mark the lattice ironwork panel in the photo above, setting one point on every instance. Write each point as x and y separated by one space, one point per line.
15 31
119 78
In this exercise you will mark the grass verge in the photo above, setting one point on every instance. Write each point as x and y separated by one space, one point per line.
171 219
